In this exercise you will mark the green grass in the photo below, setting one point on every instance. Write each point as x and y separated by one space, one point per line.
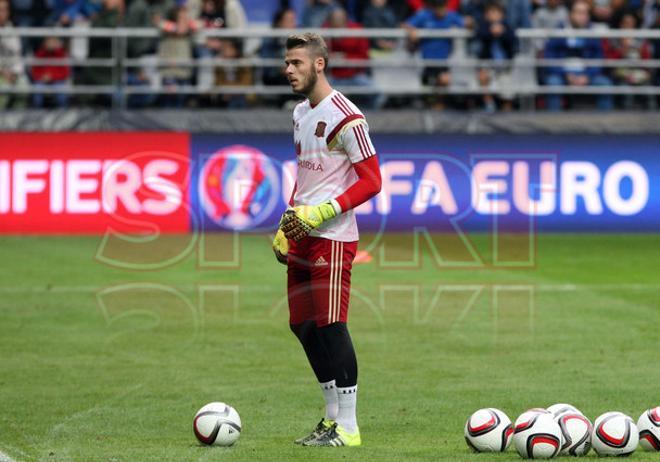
100 363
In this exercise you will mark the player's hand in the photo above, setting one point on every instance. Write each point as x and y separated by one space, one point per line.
298 222
281 247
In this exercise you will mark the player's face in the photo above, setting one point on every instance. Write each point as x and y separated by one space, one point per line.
300 70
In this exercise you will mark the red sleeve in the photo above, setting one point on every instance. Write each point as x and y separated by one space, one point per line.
366 187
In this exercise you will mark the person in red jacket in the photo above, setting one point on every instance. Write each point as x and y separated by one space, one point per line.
354 49
51 74
629 48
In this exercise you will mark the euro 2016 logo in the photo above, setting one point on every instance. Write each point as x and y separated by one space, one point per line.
238 187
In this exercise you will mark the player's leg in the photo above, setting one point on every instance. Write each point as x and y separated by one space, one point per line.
311 341
303 325
344 363
330 293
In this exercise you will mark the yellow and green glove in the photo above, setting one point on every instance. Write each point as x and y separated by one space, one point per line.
281 247
298 222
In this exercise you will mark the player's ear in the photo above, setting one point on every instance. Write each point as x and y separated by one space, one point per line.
320 64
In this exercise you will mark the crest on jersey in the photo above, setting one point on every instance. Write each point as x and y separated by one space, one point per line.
320 129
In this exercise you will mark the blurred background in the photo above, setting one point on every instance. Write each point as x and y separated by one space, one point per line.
463 55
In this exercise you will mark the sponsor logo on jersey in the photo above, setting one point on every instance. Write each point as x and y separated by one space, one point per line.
309 165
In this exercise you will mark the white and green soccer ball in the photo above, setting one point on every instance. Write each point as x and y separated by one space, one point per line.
217 424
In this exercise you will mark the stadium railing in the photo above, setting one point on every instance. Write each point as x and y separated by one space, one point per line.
394 73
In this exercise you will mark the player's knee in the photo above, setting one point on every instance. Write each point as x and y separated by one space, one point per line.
335 330
301 330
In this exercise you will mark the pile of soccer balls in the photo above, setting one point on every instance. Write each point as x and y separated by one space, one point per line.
562 429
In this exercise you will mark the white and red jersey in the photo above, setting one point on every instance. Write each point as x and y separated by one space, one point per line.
329 138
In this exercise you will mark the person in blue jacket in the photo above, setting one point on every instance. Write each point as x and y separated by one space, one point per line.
434 16
572 50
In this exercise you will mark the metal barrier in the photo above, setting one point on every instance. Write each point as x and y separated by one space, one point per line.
394 73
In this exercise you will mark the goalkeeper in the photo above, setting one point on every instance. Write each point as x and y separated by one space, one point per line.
317 238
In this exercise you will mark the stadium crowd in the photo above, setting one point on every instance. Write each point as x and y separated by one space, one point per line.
492 24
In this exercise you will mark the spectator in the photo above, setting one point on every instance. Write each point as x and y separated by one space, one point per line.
472 11
316 12
519 14
573 50
552 15
404 9
230 75
222 13
101 47
212 16
68 12
379 15
29 13
652 19
274 48
235 17
50 75
176 44
12 71
217 14
434 16
497 43
602 12
141 14
651 14
629 48
350 48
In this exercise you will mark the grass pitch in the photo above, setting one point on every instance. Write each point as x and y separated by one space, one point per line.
104 356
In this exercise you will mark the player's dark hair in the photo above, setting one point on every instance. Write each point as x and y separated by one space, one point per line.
314 43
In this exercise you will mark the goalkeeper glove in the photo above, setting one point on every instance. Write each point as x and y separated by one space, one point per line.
298 222
281 247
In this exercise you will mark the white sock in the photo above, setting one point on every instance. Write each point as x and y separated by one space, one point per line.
347 402
330 395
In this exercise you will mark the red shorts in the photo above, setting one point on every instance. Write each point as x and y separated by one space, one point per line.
319 280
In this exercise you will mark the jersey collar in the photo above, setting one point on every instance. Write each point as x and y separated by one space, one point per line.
323 101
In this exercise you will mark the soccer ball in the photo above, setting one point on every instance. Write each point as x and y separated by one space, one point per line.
488 430
217 423
614 434
538 410
537 435
576 433
562 408
649 429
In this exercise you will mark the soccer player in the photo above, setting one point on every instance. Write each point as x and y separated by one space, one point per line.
318 236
